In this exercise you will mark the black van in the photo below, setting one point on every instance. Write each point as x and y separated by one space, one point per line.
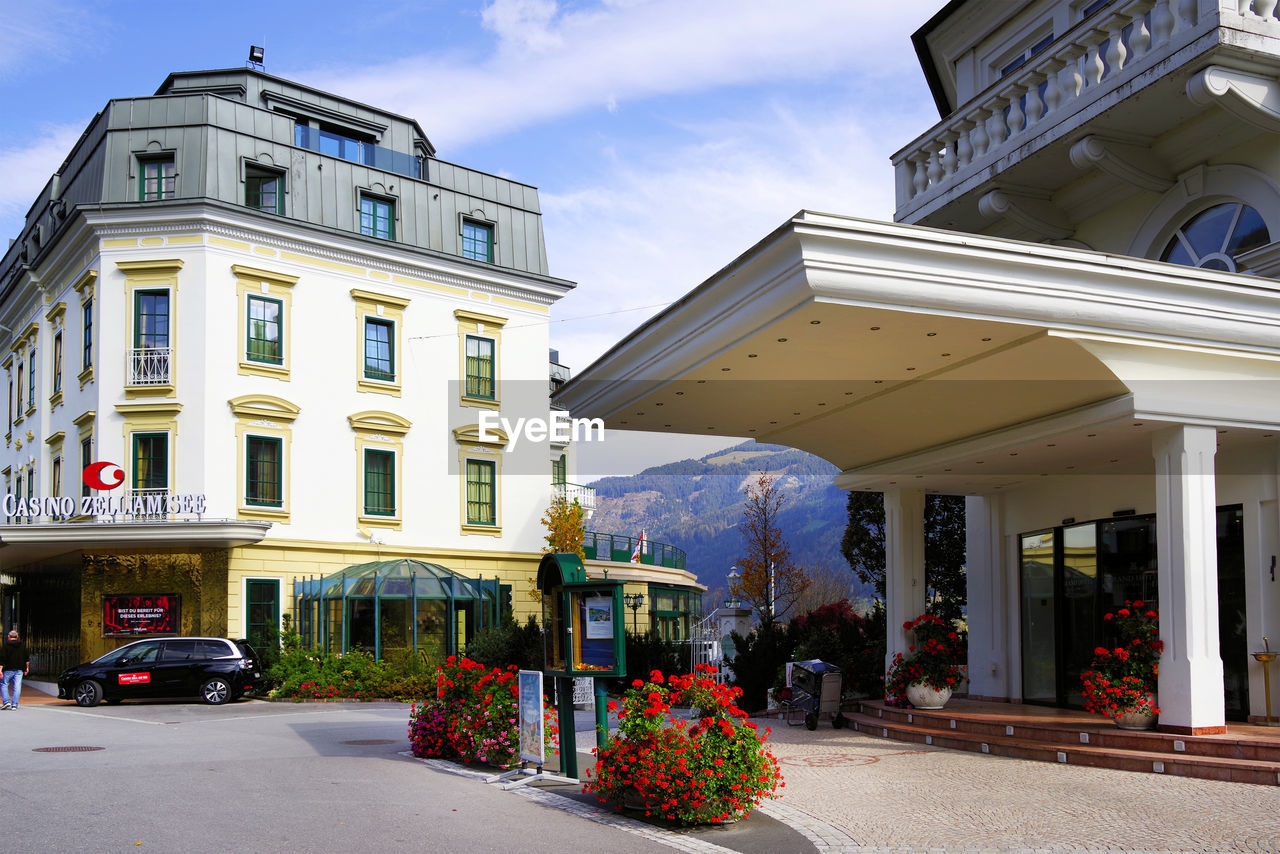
216 670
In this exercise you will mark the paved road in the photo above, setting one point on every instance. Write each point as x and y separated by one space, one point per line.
878 794
256 776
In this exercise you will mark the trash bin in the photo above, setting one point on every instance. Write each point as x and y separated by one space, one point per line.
815 690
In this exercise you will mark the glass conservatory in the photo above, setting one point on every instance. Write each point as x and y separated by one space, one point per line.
392 605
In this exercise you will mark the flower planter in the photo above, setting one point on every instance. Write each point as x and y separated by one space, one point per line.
927 697
1139 718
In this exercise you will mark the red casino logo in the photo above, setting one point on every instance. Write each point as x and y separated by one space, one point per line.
102 475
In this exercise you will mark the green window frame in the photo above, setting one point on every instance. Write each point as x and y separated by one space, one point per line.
150 460
263 338
31 378
379 349
87 357
477 240
264 190
378 217
264 471
21 376
86 458
55 474
57 362
379 482
560 470
157 179
480 367
482 505
262 597
151 319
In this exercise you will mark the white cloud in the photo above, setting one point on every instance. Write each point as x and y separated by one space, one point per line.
549 62
40 34
660 222
24 171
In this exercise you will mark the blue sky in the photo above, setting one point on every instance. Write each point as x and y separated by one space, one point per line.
665 136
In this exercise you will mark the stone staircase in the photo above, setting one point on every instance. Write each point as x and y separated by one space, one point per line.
1245 754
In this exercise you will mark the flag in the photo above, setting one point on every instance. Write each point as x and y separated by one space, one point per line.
635 553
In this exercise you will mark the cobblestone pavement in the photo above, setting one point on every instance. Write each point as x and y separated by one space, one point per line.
853 792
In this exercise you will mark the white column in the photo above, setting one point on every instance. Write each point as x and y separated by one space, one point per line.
1190 687
904 587
987 586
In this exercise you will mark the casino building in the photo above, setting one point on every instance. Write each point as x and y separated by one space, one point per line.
250 330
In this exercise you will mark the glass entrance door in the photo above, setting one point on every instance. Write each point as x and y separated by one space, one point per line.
1039 618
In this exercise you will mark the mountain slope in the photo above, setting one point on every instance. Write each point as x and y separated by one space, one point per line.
696 505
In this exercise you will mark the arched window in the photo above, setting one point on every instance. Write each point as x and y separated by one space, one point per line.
1214 237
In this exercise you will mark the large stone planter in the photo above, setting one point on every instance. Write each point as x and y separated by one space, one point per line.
927 697
1138 718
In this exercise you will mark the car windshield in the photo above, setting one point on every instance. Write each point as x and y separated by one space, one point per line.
113 654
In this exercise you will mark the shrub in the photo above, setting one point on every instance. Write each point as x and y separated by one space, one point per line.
508 643
841 636
647 652
757 664
715 769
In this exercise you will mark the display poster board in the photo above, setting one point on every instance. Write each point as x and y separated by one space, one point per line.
532 746
140 615
599 617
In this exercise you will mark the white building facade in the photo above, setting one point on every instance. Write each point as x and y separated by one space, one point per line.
1085 342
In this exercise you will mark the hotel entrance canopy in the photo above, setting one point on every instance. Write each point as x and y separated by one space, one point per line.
951 362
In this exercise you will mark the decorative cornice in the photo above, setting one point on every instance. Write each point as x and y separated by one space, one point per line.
471 435
264 406
204 224
477 317
361 295
284 280
378 421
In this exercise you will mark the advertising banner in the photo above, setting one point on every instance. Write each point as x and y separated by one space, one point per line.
140 615
532 748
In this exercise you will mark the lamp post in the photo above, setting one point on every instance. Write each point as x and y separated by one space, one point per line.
634 601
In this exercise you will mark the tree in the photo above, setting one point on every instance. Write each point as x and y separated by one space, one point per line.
565 522
863 547
769 579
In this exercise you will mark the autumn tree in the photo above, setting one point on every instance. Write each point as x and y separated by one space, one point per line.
769 580
565 522
944 545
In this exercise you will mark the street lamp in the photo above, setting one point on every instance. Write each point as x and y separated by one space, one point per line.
634 601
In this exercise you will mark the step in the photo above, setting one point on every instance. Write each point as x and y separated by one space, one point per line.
937 732
1095 732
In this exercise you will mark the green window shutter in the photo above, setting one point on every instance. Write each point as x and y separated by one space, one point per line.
480 367
379 483
264 469
481 505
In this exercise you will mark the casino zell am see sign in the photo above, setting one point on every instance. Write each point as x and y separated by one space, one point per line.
103 476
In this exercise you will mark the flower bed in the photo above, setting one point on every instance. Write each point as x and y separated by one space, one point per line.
712 769
474 716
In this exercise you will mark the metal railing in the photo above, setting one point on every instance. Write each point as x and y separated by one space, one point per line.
619 548
148 366
154 502
571 492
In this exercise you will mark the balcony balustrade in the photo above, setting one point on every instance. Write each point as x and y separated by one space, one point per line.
148 366
620 548
571 492
1054 91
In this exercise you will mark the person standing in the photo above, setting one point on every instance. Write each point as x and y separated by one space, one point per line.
14 664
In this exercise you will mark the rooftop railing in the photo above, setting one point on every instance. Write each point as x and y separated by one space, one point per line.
619 549
336 145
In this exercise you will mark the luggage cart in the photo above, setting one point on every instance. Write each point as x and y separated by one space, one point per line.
815 690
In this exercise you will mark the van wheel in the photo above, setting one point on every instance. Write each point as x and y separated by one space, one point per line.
216 691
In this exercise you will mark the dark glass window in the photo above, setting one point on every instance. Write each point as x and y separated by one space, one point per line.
379 350
264 190
157 179
150 460
1213 238
379 483
263 471
480 367
477 240
378 217
481 493
263 335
